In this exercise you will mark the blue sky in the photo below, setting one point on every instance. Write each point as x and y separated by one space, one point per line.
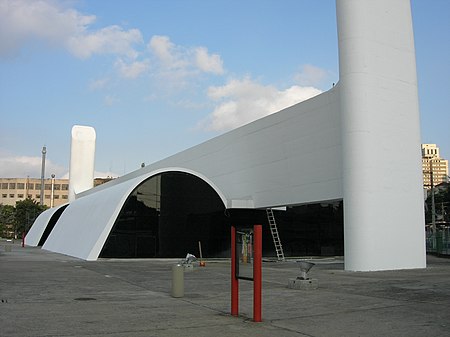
156 77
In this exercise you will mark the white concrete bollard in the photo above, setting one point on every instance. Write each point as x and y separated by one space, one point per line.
177 280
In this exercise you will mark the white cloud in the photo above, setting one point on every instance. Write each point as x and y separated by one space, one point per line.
243 101
176 63
110 100
208 63
100 174
22 20
132 70
108 40
46 21
98 84
23 166
311 75
26 23
163 48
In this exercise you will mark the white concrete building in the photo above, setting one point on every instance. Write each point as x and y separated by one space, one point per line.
335 146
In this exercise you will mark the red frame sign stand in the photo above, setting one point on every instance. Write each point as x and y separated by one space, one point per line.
257 273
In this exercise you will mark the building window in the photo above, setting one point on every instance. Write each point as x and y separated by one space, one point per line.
30 186
4 186
37 196
56 196
57 187
20 196
48 187
4 195
47 196
12 186
65 196
20 186
30 196
38 187
65 187
11 195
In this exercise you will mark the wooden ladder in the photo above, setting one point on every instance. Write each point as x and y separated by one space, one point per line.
275 235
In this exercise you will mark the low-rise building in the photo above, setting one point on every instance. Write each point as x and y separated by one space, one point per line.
56 191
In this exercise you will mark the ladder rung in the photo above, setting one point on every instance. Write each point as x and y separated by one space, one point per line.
275 235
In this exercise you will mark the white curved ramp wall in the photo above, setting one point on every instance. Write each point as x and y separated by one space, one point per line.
82 156
382 179
83 228
34 235
290 157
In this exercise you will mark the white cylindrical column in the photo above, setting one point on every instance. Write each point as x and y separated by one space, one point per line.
82 156
382 179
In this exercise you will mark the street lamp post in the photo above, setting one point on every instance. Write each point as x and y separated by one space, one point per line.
433 206
44 151
52 197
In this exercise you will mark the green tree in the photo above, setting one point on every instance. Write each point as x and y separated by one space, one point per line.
442 204
7 219
26 212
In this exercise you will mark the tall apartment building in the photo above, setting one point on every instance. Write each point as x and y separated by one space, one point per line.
56 191
433 166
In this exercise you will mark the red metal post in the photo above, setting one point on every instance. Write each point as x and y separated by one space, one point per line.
257 273
234 280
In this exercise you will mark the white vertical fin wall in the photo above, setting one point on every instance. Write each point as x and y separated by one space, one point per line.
82 156
382 180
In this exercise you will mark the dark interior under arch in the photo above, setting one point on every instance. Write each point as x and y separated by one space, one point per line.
168 214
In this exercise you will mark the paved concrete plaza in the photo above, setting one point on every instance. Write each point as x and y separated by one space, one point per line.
47 294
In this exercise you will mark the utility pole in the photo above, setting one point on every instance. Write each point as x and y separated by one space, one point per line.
433 206
44 151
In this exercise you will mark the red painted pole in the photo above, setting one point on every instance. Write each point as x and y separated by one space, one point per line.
234 280
257 273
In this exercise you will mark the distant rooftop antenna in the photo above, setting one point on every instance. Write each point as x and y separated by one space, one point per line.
44 151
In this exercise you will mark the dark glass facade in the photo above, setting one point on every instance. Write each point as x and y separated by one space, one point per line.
168 214
308 230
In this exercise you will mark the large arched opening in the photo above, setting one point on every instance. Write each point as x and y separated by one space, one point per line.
167 215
